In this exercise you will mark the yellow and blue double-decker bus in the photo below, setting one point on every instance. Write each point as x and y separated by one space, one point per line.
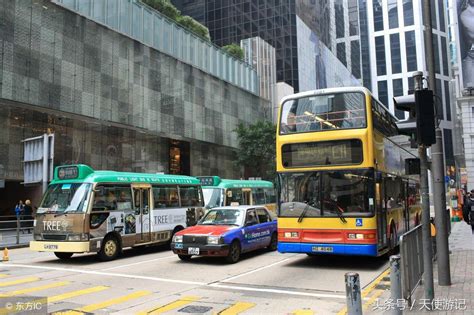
342 187
220 192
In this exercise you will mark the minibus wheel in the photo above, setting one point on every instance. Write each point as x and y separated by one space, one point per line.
110 248
62 255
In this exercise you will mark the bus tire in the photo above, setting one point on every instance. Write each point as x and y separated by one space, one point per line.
63 256
184 257
234 252
393 236
110 248
273 242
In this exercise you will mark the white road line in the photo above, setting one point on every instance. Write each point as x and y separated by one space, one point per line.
100 273
202 284
278 291
139 263
255 270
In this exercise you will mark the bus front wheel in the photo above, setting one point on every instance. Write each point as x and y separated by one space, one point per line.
110 248
63 256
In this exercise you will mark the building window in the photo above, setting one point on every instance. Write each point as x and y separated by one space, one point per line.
396 58
398 91
447 100
411 85
408 12
353 18
378 15
439 100
341 53
444 52
338 7
436 54
355 59
410 44
383 92
380 55
441 10
448 146
392 13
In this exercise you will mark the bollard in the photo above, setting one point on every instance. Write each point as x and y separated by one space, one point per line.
5 255
18 226
395 283
353 297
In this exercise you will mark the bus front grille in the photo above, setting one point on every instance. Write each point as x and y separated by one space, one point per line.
54 237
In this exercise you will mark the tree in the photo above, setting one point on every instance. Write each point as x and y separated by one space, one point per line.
257 149
165 7
194 26
234 50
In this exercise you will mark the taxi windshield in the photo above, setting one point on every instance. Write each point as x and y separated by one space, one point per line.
65 198
222 217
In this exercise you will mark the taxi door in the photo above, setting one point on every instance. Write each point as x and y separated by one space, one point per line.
251 236
141 195
264 227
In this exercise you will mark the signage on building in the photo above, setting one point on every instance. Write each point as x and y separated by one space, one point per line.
38 160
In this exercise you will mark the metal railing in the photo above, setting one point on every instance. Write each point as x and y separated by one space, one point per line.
16 230
411 254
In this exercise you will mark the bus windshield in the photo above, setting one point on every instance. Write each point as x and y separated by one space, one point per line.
65 198
327 193
323 112
212 197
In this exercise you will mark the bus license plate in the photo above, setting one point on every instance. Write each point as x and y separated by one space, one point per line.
322 249
50 246
193 250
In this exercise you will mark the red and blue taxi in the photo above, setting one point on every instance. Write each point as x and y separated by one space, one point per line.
227 232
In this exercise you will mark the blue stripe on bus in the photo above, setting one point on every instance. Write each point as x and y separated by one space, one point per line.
331 249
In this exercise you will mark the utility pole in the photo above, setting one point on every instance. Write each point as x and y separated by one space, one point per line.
425 210
437 169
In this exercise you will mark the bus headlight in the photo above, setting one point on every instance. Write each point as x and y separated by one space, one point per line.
178 239
213 240
78 237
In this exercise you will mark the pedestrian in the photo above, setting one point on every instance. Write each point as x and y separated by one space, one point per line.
28 212
467 209
19 208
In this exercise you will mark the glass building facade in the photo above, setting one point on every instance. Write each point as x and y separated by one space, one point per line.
111 101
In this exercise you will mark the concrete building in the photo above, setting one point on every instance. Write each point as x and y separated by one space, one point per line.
121 87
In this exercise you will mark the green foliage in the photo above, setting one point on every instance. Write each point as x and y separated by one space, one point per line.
168 9
234 50
165 7
194 26
257 144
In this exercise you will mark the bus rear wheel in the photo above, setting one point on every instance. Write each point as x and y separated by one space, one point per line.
110 249
63 256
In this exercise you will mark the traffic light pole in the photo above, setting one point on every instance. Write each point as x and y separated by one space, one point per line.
425 211
439 191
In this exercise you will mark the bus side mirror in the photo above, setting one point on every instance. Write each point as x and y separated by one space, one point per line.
100 190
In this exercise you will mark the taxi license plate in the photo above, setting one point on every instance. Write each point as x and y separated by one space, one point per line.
50 246
322 249
193 250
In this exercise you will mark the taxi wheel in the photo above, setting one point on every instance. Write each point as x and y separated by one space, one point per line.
184 257
273 243
62 255
234 252
110 249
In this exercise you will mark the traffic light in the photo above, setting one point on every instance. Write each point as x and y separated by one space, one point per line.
420 124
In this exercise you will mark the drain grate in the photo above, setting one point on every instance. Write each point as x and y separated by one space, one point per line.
195 309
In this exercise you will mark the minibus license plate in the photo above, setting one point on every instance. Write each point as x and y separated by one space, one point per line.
193 250
322 249
50 246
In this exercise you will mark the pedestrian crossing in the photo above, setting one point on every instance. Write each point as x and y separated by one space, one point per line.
135 301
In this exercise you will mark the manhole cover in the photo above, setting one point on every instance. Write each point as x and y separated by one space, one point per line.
195 309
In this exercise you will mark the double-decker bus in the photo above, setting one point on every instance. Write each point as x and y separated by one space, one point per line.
219 192
84 210
342 187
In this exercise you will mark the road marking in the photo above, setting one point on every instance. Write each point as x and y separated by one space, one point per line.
171 306
19 281
105 304
302 312
255 270
278 291
372 299
139 263
34 289
237 308
68 295
2 275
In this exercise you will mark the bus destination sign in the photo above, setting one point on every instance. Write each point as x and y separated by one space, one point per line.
338 152
68 172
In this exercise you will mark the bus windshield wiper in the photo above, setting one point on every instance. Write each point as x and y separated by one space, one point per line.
339 214
303 214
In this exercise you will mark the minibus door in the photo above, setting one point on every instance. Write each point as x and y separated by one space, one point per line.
142 213
246 195
381 210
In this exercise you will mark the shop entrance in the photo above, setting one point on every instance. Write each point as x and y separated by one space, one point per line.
179 162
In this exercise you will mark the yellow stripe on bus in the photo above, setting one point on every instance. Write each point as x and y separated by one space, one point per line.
19 281
171 306
101 305
237 308
34 289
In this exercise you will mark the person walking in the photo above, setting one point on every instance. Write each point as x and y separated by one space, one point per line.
19 209
28 213
467 211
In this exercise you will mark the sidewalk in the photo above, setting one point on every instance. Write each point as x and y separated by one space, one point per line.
455 299
8 238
